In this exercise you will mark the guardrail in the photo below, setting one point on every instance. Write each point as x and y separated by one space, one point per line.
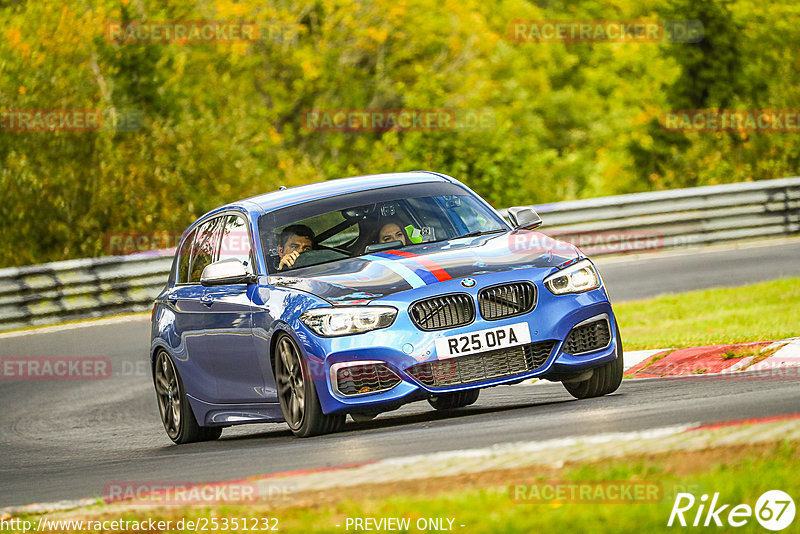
638 222
79 289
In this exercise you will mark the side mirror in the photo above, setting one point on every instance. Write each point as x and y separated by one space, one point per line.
526 218
223 272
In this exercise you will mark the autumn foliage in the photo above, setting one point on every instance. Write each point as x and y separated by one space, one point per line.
189 124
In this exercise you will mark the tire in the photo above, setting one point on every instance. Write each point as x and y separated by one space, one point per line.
604 380
298 395
451 401
176 413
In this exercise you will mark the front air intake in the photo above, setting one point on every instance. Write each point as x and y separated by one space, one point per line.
360 378
472 368
593 334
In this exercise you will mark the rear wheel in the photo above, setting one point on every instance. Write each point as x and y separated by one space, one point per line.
604 380
451 401
176 414
297 394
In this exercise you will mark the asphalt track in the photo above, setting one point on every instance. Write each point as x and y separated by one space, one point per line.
686 270
69 439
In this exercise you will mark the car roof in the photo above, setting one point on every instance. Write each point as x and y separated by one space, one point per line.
319 190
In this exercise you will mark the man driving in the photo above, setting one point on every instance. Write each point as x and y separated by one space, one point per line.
293 241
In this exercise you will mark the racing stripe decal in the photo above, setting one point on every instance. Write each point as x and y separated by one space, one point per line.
434 268
427 276
410 276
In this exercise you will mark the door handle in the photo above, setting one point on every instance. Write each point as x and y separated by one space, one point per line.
208 300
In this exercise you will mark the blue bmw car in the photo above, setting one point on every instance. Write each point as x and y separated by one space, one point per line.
359 295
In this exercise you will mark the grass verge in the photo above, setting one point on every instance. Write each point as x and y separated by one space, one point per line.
485 502
758 312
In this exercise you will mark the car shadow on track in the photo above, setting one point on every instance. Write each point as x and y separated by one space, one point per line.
388 420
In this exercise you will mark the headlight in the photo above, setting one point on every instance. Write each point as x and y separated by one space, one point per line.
574 279
332 322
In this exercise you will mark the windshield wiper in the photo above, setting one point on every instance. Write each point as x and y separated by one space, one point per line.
479 233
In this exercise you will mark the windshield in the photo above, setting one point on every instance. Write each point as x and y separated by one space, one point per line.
368 222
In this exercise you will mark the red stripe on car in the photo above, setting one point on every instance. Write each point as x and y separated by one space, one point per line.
436 269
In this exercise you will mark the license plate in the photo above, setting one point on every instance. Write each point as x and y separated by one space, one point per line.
483 340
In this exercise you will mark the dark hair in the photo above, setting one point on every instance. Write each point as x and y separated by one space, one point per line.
295 229
389 220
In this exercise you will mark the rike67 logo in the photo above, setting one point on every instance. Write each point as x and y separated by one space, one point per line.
774 510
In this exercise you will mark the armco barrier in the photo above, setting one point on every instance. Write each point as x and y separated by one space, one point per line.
76 289
676 218
54 292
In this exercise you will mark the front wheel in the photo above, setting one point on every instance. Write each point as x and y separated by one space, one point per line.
451 401
176 414
604 380
297 394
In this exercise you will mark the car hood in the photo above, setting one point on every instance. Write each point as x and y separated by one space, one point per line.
364 278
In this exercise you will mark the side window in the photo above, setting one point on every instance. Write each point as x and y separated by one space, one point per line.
205 248
183 258
236 241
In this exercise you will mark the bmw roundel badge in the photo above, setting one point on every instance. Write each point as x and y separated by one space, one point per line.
468 282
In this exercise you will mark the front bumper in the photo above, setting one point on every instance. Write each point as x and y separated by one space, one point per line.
403 345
